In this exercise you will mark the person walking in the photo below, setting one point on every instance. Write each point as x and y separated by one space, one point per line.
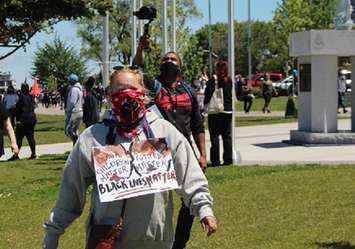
10 99
341 92
6 125
25 121
91 113
220 124
177 103
267 91
247 96
147 219
74 108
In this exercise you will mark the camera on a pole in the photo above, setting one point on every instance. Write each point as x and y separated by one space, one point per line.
146 13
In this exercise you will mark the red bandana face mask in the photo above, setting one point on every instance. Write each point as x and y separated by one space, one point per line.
128 107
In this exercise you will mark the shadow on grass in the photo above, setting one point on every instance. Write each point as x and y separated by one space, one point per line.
335 245
46 129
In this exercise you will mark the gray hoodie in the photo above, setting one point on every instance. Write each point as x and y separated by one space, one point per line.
148 219
75 99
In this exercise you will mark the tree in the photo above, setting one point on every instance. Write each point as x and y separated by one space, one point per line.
55 61
90 31
299 15
21 20
262 40
193 59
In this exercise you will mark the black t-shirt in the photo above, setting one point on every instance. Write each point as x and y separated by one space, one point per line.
178 105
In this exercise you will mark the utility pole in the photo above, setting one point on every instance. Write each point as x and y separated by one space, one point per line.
105 50
249 42
209 40
165 27
236 157
173 24
140 23
134 30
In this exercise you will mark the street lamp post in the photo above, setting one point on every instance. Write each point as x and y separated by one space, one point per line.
209 40
173 24
249 41
105 50
236 156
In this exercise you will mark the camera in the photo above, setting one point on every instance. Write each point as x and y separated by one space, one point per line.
146 13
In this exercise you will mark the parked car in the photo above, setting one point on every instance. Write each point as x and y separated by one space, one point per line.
347 74
283 87
274 77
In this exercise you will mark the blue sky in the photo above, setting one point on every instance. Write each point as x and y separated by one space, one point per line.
20 63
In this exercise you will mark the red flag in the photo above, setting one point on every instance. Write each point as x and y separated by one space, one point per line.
35 89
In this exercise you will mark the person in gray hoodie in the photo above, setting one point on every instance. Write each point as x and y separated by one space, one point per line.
74 108
148 219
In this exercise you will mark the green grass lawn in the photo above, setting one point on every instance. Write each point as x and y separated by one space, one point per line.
252 121
276 104
293 207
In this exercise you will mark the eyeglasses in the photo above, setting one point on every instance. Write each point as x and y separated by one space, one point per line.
134 67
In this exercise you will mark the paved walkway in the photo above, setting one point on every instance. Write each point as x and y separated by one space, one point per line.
257 145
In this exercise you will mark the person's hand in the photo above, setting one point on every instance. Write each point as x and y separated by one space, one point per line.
203 163
209 224
144 41
14 149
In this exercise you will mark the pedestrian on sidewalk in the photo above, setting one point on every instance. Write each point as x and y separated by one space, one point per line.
177 102
267 91
6 124
10 99
341 92
25 121
247 96
220 124
74 108
148 219
91 113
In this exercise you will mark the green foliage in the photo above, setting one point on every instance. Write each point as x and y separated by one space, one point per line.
298 15
20 20
192 60
52 83
57 60
261 44
90 31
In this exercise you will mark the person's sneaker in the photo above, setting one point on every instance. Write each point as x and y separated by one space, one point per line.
32 157
13 158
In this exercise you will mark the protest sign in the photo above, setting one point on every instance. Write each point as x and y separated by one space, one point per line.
133 169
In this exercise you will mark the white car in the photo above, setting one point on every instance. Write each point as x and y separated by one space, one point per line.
282 86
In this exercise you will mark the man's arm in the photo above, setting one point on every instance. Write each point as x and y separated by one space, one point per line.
201 145
144 42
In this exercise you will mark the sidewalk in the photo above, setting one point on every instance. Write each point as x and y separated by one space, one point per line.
257 145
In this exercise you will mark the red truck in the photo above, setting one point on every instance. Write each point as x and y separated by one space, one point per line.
274 77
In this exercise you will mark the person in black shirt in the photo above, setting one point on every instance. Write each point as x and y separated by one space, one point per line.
221 123
177 102
90 106
6 124
25 121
